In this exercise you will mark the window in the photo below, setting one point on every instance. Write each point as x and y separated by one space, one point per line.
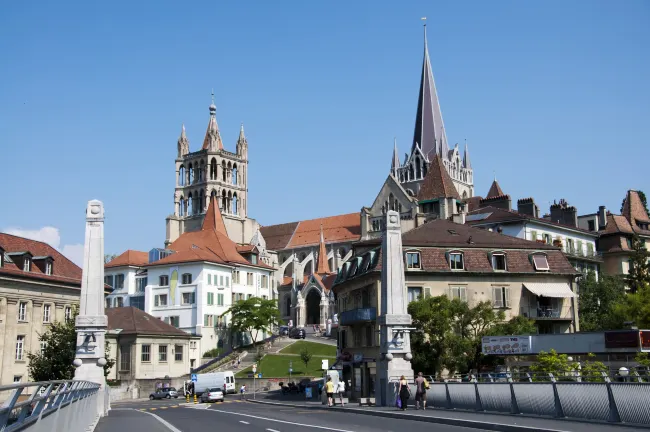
590 249
629 243
119 281
43 346
175 321
499 262
48 268
108 280
540 262
533 235
120 302
162 353
240 296
140 284
227 281
193 344
501 297
160 300
249 296
108 303
68 313
413 260
357 337
178 352
137 302
188 298
47 311
265 281
235 277
220 280
26 264
456 261
17 378
22 311
210 299
163 280
547 238
219 299
125 357
208 320
458 292
186 278
20 346
414 293
249 279
254 259
210 279
569 245
592 225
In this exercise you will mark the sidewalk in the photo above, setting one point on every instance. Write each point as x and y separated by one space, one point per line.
128 420
479 420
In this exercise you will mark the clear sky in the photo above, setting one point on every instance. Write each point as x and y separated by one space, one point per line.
553 97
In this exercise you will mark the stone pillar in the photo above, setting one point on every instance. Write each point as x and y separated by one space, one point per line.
91 323
394 319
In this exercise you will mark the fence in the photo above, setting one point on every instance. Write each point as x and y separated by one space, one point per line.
602 401
69 406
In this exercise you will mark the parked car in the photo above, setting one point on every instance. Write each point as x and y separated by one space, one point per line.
284 331
164 393
213 394
298 333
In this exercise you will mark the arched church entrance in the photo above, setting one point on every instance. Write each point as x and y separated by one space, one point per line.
313 307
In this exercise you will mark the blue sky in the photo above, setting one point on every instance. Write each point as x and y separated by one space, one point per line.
552 96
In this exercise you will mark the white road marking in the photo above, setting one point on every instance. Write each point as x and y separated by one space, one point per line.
242 421
280 421
164 422
272 430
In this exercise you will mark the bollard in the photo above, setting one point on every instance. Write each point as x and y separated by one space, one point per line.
187 398
196 399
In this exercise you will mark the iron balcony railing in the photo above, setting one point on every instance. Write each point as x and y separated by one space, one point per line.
548 313
578 253
357 315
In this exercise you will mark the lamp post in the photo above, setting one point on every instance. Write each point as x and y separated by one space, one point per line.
623 372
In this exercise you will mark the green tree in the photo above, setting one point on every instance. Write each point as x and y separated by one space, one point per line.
639 274
592 370
109 257
635 307
253 315
59 348
551 362
305 356
598 302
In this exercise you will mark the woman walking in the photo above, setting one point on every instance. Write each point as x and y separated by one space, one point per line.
340 389
404 392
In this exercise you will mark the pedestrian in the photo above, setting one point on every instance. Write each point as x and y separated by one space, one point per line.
242 391
329 390
404 391
421 386
340 389
224 389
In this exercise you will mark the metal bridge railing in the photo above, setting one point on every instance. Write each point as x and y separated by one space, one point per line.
69 406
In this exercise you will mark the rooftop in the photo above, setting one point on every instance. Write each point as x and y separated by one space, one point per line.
133 321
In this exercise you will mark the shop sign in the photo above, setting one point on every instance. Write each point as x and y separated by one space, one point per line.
497 345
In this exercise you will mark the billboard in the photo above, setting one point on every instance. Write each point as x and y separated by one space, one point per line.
503 345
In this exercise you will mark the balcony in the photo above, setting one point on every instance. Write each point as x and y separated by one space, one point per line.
549 313
589 255
357 316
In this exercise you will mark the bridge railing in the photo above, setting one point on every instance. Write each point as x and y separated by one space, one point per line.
69 406
627 402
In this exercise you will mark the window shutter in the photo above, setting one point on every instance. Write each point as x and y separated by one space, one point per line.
427 292
450 293
533 235
496 297
507 296
463 294
205 320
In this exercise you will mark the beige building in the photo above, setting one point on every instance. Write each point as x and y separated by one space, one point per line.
38 286
441 257
145 347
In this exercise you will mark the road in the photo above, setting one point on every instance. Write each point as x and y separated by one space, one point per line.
236 416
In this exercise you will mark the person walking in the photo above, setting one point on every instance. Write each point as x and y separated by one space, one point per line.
242 391
329 390
404 392
421 385
340 389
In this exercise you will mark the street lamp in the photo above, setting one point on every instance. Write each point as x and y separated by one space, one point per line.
623 372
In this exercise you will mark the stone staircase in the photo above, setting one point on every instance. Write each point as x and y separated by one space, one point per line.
249 353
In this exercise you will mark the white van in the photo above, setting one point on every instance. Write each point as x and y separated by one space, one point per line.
216 379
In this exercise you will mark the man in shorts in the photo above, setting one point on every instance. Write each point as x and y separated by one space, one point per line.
420 392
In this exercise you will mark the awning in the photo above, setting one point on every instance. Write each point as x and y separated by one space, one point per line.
555 290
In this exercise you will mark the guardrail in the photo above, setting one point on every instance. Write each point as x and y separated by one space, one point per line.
69 406
601 401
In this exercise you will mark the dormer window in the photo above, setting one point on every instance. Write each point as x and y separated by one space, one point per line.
413 261
44 264
456 261
48 267
499 262
27 264
540 262
254 259
2 257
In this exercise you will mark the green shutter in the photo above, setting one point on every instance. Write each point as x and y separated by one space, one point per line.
205 320
533 235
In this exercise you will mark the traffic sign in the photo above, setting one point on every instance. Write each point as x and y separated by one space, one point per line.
194 378
254 368
259 375
290 370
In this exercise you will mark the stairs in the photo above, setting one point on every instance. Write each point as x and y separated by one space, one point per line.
249 354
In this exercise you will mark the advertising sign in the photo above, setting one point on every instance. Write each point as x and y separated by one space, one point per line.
500 345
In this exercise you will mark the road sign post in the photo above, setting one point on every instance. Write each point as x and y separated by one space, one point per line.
254 375
290 369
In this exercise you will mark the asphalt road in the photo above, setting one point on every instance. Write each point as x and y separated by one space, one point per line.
235 416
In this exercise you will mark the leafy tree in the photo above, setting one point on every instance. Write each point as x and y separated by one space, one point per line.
60 345
635 307
592 370
305 356
598 301
551 362
639 274
109 257
253 315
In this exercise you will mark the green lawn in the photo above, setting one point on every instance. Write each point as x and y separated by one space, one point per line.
316 349
277 366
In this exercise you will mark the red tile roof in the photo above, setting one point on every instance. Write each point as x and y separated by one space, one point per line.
502 215
63 270
437 183
129 258
323 266
633 209
341 228
495 190
133 321
277 237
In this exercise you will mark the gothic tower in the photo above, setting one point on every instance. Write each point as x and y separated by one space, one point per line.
430 140
211 171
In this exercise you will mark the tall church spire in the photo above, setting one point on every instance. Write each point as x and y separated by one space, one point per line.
212 140
323 266
183 144
466 163
394 166
429 129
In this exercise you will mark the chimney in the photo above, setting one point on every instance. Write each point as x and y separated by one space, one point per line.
502 202
571 216
557 215
528 207
563 213
602 217
459 218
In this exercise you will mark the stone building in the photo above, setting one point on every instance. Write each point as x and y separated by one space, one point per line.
38 285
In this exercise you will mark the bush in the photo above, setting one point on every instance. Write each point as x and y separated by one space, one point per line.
214 352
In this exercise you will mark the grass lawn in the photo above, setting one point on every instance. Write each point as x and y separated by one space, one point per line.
316 349
277 366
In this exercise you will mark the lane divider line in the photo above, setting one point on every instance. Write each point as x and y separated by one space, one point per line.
281 421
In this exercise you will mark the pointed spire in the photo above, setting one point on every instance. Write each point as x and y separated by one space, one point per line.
212 140
429 129
395 162
213 219
495 190
323 266
437 183
242 136
183 144
466 163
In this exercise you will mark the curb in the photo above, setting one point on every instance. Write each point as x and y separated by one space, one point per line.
427 419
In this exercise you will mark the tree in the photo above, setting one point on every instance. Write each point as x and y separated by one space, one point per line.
109 257
639 274
253 315
54 362
598 301
592 370
635 308
551 362
305 356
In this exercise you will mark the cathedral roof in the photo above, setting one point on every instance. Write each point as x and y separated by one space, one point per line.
340 228
633 208
437 183
323 266
429 128
129 258
495 190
